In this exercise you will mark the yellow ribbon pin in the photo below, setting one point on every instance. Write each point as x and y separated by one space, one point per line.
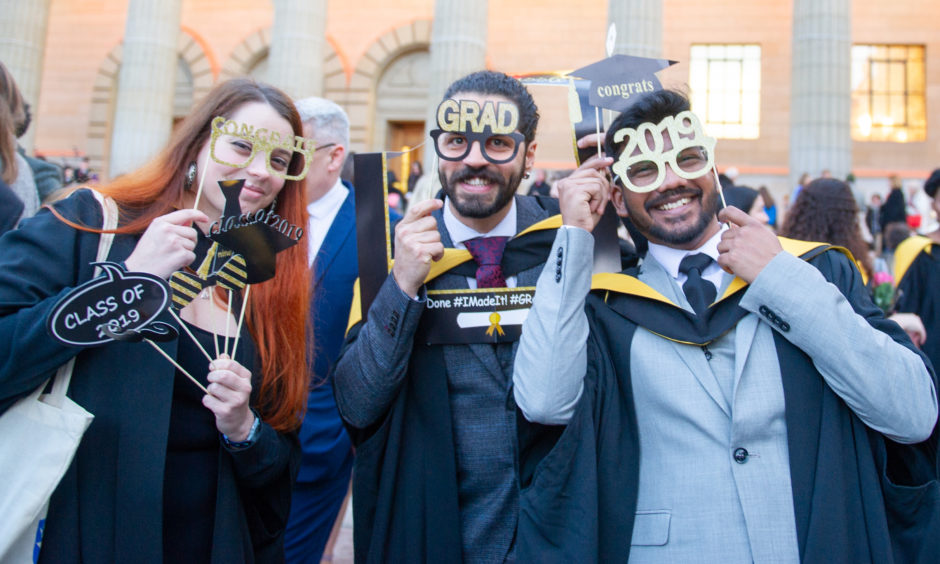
494 325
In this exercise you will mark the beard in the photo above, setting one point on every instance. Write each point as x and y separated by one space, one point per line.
479 205
676 235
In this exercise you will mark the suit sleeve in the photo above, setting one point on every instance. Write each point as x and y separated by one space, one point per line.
836 324
370 370
551 360
39 263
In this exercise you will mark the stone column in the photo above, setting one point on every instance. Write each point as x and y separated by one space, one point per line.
639 26
22 49
295 63
143 116
458 47
820 96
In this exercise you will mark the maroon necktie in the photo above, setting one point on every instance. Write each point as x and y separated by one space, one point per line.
488 253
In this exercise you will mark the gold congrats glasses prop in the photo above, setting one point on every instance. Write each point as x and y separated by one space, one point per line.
236 144
461 123
642 163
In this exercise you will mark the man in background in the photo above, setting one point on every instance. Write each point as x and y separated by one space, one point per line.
326 464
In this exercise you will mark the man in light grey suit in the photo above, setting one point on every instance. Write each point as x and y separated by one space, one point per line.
731 399
434 424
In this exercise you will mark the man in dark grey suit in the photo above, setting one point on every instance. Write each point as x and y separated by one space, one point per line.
731 399
434 422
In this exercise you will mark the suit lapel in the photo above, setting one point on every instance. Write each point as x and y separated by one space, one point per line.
528 213
341 229
744 334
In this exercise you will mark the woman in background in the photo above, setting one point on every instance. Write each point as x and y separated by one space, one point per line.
14 169
826 211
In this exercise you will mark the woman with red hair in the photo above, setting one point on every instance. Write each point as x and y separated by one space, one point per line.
166 472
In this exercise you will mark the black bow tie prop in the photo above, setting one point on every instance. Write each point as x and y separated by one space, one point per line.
243 251
231 275
257 236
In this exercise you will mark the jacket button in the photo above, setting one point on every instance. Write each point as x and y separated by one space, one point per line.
740 455
764 310
784 326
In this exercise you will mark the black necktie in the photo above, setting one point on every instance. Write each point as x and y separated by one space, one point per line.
700 292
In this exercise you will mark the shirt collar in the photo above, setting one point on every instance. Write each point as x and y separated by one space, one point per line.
459 232
670 257
333 199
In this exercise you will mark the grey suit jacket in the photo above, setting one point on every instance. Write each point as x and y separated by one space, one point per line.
371 371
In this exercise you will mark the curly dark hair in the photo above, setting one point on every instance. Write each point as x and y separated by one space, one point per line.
494 82
826 211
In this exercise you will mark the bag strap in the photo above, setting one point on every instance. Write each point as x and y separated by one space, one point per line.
109 212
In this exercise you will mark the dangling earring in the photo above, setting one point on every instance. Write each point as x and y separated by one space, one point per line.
526 175
190 175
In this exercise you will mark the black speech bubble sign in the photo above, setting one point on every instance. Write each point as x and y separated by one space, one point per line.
122 301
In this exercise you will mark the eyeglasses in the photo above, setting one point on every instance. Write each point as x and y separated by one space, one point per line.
235 145
497 149
647 175
641 166
324 146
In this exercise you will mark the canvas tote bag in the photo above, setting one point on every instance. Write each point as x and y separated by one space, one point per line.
39 435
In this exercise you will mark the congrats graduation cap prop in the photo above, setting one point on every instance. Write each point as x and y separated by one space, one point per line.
118 305
616 80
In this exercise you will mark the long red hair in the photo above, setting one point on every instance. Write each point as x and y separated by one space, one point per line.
277 309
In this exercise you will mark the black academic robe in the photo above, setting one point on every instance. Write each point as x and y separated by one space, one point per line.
109 505
919 288
405 497
580 482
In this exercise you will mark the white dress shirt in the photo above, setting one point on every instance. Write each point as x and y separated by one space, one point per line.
670 258
322 212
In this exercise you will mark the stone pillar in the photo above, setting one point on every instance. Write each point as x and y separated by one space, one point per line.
820 97
295 62
22 49
458 47
639 27
143 116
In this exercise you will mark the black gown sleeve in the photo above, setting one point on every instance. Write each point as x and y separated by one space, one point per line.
39 263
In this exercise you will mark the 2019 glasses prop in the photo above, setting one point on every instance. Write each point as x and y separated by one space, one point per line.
461 123
641 166
236 144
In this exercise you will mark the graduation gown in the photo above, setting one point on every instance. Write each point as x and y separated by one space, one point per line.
917 271
858 497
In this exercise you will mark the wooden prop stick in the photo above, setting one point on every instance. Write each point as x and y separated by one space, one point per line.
178 367
202 179
597 128
228 315
190 333
215 336
241 317
718 186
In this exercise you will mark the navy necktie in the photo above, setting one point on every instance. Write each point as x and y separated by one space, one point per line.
488 254
699 291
